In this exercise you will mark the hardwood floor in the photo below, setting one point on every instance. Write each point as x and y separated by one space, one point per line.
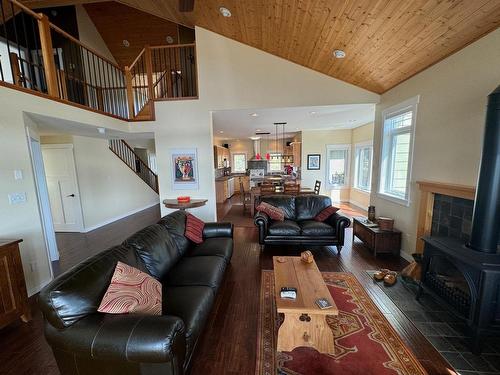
228 345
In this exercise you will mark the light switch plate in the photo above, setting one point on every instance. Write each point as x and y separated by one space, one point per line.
17 198
18 174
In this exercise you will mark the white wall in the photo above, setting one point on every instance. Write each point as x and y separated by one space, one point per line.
449 125
234 76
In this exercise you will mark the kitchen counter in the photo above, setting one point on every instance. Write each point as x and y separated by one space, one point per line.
224 178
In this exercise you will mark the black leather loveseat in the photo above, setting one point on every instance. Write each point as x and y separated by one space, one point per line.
299 226
86 342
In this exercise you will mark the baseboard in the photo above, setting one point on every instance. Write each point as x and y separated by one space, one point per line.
357 204
406 256
116 218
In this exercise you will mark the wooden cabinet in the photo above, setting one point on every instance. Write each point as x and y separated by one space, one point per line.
246 183
13 296
377 240
224 189
221 154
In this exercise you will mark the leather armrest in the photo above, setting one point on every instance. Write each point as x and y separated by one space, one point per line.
123 337
262 220
211 230
339 222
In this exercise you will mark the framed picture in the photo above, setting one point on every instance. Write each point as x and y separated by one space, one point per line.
184 169
313 162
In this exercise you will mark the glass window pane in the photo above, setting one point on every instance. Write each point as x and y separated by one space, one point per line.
363 168
239 163
400 157
337 166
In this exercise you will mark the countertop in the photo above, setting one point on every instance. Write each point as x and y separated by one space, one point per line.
225 178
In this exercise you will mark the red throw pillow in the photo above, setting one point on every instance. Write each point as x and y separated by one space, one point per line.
326 213
274 213
194 229
131 291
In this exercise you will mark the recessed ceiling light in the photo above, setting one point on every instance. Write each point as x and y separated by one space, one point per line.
126 43
257 130
352 120
225 12
222 132
101 130
254 114
313 112
169 39
339 54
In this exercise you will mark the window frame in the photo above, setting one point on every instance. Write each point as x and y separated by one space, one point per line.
233 164
385 177
346 147
357 149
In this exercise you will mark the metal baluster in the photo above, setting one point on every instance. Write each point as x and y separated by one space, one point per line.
28 58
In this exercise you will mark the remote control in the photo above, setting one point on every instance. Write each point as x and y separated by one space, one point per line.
323 303
288 293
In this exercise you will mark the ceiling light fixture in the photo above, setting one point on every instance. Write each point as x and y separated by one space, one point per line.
101 130
222 132
254 138
169 39
338 54
225 12
126 43
257 130
254 114
313 112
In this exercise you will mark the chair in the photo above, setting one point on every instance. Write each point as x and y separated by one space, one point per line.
292 189
317 186
245 196
266 189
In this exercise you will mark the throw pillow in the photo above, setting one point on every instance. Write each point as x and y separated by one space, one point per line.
273 212
194 229
131 291
326 213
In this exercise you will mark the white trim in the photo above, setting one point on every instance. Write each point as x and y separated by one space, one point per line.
409 104
340 146
39 287
359 146
58 145
116 218
357 204
403 254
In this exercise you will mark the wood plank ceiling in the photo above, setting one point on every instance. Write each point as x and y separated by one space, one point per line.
386 41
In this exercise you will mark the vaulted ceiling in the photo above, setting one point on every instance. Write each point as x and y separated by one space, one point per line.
385 41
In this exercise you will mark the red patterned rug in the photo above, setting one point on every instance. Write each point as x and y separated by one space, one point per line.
365 342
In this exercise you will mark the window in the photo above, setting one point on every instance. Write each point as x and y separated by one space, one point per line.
363 166
275 162
397 150
337 158
239 163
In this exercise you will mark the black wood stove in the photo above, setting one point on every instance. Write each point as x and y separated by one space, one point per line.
466 276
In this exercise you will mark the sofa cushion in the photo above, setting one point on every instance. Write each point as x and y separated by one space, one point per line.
78 292
326 213
156 248
316 228
194 229
284 228
275 213
285 202
308 206
200 270
192 304
221 247
131 291
175 223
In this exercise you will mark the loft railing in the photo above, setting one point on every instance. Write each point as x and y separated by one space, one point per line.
127 154
36 55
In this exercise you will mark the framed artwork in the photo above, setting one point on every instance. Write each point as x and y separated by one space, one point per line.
313 162
184 169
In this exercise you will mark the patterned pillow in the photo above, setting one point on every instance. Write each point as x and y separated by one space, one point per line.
194 229
326 213
131 291
273 212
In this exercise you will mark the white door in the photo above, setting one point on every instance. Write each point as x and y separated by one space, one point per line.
60 172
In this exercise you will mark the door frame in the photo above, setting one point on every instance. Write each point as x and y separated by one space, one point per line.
43 200
79 214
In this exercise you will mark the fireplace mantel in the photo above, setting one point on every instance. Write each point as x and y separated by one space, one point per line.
427 191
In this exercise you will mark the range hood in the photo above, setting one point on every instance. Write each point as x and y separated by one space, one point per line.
256 150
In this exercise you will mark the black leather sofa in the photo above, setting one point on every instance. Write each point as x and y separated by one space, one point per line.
299 226
87 342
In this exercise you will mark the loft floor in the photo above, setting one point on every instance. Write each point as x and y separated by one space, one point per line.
228 345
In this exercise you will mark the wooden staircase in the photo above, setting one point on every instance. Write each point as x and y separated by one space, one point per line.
127 154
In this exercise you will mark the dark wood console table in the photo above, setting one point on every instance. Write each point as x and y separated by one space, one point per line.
377 240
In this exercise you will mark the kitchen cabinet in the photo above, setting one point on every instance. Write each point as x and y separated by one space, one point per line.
246 183
224 189
221 153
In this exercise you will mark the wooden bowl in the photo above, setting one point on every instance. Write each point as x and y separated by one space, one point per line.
183 199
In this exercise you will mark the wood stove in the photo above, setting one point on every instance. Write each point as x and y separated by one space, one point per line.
465 275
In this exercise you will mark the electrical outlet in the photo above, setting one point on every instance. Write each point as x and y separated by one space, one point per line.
18 174
17 198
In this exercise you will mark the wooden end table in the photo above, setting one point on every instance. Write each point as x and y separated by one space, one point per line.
305 323
377 240
193 203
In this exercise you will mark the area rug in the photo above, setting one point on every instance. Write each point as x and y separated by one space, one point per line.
365 342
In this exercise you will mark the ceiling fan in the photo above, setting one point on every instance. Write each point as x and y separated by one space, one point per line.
186 5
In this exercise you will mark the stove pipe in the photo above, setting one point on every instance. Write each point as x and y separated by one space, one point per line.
486 216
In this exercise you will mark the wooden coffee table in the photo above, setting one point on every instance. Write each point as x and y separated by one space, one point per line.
305 323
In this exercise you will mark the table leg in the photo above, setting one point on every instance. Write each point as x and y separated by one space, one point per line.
305 330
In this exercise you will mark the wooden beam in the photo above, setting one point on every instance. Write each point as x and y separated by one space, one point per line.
49 64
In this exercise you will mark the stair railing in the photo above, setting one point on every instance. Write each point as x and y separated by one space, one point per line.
42 57
127 154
